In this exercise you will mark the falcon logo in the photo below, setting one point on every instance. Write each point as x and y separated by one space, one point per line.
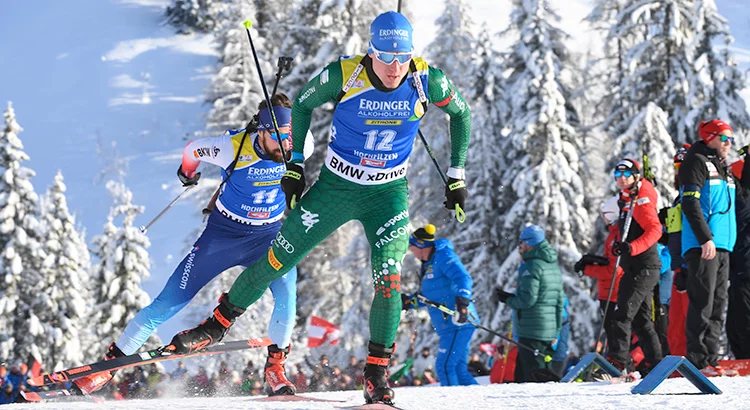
309 219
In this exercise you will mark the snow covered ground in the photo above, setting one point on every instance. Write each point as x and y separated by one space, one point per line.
672 394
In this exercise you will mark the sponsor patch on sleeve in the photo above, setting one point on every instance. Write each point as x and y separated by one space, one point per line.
273 261
642 201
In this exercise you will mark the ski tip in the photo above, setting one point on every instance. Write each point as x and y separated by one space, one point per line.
31 396
247 24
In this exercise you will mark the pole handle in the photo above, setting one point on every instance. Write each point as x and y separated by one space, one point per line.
460 214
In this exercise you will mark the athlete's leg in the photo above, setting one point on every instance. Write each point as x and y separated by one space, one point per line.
195 270
461 356
386 220
215 251
324 208
284 291
444 363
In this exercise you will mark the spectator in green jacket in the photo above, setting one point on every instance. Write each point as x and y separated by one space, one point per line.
538 301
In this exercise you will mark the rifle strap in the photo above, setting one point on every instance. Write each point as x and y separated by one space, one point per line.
212 203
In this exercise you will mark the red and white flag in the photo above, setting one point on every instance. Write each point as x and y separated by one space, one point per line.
33 365
320 330
489 348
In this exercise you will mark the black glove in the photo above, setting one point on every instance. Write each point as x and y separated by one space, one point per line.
293 184
595 260
455 193
579 266
503 295
589 259
408 301
621 248
186 181
462 311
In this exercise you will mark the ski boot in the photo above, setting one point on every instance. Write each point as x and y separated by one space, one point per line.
210 331
278 384
93 382
376 387
624 368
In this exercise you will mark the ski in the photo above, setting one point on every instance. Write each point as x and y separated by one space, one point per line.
372 406
297 398
58 395
138 359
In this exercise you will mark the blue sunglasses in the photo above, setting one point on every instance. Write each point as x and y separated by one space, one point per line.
389 58
722 137
283 136
626 174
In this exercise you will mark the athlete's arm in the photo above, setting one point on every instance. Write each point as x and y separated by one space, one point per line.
325 87
647 217
455 271
218 151
693 174
443 94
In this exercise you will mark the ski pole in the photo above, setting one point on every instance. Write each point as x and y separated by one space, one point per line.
628 222
446 310
247 25
284 63
626 229
143 229
460 214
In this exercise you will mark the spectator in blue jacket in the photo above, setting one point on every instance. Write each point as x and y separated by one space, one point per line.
6 387
709 232
17 378
444 279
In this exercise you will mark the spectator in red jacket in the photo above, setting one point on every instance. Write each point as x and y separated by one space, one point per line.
602 268
641 266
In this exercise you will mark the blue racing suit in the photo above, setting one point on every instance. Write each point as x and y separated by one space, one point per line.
443 278
240 230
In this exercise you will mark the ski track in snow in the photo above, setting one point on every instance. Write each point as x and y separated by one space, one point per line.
672 394
146 3
127 50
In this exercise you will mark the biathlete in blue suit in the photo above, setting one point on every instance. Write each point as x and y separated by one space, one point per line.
445 280
245 220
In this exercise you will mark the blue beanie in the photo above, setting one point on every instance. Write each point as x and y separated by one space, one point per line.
391 31
532 235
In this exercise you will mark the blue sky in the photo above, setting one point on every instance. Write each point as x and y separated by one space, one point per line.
80 72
